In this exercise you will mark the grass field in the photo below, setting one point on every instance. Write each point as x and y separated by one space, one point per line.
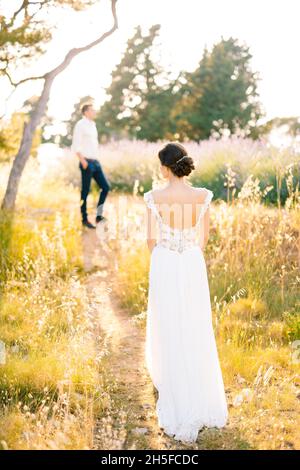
253 268
54 381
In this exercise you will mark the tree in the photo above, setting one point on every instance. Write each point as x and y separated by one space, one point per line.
291 125
41 104
140 95
24 34
220 94
155 117
11 135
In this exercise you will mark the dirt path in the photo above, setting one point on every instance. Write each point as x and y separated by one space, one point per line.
130 422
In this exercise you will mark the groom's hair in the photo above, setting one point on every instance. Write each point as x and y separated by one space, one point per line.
85 107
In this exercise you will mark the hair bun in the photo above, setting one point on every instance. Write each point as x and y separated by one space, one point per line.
183 166
174 156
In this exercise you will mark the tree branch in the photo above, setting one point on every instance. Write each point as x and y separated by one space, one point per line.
71 54
15 84
36 115
22 6
74 52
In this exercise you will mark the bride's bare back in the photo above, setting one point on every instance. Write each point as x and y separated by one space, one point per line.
179 207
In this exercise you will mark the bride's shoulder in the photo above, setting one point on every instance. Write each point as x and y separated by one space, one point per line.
154 194
158 192
149 196
204 194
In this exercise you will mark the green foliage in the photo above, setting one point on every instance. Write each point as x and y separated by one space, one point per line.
292 320
140 94
11 135
291 125
220 94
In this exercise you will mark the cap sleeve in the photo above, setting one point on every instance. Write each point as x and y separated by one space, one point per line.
205 204
207 199
148 198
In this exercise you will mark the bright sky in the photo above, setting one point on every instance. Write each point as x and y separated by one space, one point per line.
269 27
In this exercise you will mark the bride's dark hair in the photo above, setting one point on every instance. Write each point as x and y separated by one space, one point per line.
174 156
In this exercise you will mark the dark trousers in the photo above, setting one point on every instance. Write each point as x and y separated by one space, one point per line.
93 170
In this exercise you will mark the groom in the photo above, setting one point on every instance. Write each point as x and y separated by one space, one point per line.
85 145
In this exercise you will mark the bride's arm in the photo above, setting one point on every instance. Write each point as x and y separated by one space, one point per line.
206 218
151 229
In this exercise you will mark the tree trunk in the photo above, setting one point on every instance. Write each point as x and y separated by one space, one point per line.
22 156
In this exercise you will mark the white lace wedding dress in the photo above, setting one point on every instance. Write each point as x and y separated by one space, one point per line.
180 348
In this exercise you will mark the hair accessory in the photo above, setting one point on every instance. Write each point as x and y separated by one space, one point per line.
181 159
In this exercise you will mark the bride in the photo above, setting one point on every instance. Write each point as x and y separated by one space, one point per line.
180 348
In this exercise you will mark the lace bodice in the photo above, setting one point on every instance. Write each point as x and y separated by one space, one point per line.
174 238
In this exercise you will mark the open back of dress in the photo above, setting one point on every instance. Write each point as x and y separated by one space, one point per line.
175 238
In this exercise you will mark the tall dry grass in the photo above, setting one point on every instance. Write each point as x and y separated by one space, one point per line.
50 384
50 372
254 275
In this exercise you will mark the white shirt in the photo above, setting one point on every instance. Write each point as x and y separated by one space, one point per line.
85 138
